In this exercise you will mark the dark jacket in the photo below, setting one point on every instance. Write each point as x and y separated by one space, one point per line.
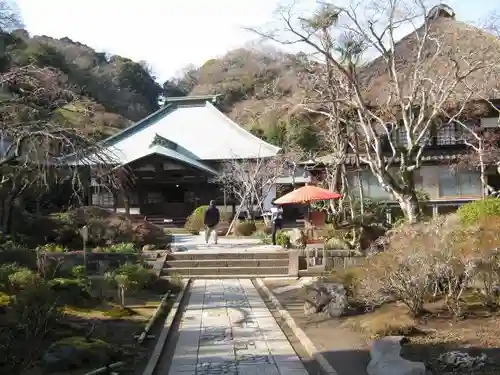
212 216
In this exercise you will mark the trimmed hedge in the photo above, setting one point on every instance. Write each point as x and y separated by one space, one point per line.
245 228
194 223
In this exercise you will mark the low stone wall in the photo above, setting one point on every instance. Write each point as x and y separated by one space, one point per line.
324 260
97 263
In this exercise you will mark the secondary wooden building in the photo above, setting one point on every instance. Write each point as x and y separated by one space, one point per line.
440 177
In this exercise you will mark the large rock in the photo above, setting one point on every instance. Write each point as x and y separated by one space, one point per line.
456 361
386 359
327 298
78 352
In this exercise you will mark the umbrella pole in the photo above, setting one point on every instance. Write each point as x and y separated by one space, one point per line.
310 231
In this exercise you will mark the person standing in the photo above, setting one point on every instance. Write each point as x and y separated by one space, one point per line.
276 221
211 220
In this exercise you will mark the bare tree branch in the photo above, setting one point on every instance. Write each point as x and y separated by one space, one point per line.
389 109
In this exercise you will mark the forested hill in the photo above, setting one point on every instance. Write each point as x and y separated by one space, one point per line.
117 89
259 88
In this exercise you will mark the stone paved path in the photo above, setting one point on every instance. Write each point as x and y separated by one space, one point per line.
195 244
227 329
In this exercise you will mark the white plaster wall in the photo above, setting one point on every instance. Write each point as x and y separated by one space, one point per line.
133 210
269 198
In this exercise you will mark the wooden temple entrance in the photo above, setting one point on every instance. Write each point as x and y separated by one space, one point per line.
161 187
170 188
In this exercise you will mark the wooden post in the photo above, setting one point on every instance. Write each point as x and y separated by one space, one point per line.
225 201
84 232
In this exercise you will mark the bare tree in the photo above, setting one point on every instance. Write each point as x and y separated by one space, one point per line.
491 22
36 139
9 16
395 102
484 150
250 182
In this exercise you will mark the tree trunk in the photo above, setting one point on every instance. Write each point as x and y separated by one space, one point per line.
410 206
8 204
127 204
115 201
487 188
121 293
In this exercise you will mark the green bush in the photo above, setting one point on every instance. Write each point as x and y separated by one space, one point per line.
51 248
264 238
6 270
4 299
35 310
105 228
194 222
245 228
78 271
282 238
22 278
123 248
139 276
473 212
74 292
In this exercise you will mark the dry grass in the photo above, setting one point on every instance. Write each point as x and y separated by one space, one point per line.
114 328
436 332
142 305
387 321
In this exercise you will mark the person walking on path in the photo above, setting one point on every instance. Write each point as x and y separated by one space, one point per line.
211 220
276 221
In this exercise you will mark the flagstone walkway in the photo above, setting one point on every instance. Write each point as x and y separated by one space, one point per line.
194 244
227 329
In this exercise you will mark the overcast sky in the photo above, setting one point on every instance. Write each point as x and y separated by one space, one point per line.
169 34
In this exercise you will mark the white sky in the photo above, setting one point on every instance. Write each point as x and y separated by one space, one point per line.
168 34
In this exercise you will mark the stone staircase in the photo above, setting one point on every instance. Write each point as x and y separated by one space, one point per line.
164 222
227 265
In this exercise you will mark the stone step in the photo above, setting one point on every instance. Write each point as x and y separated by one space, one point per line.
280 262
227 255
230 276
225 271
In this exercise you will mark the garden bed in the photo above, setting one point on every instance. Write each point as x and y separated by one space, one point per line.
436 332
74 324
345 341
112 324
345 349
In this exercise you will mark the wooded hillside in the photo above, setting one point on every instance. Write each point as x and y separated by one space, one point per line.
259 87
115 89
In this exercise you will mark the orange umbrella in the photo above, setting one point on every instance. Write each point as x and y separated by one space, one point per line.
305 194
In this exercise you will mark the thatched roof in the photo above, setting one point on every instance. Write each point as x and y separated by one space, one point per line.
458 40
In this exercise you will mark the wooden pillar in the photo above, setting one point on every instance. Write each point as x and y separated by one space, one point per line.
86 177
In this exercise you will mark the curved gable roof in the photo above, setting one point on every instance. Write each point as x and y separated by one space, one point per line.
196 126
